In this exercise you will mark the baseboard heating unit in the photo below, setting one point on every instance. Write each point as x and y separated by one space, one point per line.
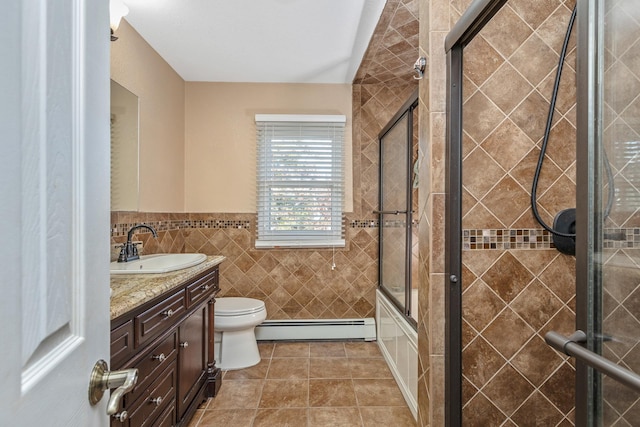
320 329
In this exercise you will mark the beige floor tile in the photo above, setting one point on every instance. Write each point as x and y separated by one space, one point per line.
332 392
238 394
285 394
196 417
387 416
369 368
332 417
327 349
362 349
291 349
289 368
376 392
329 367
296 417
309 385
257 372
227 417
266 349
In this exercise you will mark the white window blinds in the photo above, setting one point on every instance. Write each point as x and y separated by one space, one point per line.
300 180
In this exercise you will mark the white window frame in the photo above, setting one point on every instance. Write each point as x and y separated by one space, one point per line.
266 236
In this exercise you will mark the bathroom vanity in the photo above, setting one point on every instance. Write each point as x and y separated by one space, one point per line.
163 325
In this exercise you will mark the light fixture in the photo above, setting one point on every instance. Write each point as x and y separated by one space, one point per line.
117 10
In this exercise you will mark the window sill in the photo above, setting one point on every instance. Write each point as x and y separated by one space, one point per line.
287 244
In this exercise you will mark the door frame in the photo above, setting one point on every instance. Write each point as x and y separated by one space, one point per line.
588 271
479 13
407 109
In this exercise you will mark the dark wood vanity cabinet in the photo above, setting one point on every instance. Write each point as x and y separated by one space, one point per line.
170 341
192 363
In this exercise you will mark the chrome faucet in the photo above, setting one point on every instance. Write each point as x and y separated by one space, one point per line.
129 250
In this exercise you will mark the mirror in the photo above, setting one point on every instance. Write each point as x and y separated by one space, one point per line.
124 149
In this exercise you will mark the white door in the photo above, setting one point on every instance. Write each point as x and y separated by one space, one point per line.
54 210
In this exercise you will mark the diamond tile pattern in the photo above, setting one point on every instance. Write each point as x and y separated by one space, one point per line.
515 297
507 309
394 46
505 113
293 284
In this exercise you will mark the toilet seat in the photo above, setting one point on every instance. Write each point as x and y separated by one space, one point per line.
237 306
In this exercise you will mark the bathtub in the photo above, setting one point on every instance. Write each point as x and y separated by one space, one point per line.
398 342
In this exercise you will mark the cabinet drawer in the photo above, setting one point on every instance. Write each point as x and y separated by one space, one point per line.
152 364
202 288
121 344
158 318
159 395
168 416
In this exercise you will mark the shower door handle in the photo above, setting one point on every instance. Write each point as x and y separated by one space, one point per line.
570 347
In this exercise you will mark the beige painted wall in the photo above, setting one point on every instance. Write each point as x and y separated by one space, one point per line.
220 137
137 67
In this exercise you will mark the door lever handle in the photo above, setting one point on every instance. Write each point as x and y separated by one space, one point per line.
102 379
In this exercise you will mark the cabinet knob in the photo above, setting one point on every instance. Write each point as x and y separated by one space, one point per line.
167 313
159 357
184 344
156 400
205 287
121 416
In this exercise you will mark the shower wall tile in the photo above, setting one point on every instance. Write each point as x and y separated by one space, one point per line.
506 310
437 70
515 286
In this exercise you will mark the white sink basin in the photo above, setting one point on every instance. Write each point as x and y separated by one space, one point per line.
157 263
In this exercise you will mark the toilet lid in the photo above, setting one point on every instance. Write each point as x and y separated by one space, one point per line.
234 306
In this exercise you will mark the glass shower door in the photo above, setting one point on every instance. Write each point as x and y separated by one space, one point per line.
616 235
394 212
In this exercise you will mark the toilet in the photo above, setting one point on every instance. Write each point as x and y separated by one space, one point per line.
236 319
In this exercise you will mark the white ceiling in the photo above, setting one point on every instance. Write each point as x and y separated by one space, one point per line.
292 41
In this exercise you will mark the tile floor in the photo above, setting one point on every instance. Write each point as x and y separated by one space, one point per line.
309 384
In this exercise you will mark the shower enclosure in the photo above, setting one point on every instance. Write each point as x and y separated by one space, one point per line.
397 295
397 204
605 348
608 258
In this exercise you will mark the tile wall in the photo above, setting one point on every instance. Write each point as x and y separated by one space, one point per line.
516 287
293 283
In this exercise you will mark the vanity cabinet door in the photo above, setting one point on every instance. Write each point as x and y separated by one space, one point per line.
191 358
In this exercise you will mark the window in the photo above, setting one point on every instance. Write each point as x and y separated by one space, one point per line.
300 181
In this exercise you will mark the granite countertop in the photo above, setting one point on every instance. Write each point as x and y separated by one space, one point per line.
132 290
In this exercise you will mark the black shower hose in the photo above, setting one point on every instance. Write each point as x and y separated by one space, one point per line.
547 131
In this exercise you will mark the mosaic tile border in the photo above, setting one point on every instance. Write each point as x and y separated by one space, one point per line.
532 238
364 223
521 238
121 229
620 238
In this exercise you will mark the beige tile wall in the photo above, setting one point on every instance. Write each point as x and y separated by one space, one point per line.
293 283
511 298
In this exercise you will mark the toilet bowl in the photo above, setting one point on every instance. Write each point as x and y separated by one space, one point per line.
236 319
